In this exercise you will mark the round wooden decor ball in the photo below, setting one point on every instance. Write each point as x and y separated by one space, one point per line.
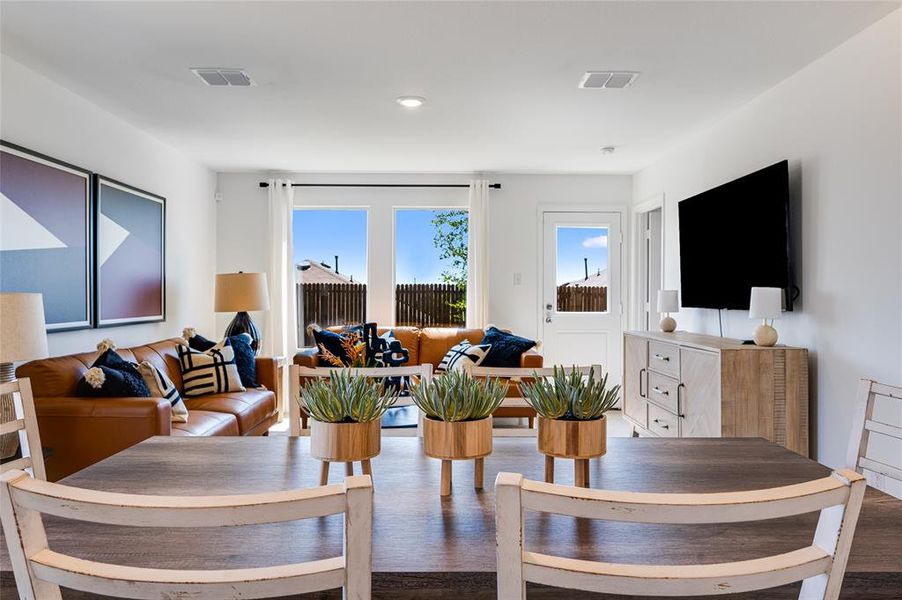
765 335
668 324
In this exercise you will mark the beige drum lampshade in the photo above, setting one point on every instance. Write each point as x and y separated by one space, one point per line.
23 333
241 292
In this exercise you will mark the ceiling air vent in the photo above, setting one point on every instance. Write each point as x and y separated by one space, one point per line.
223 77
608 80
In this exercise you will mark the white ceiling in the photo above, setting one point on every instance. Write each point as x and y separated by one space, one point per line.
500 77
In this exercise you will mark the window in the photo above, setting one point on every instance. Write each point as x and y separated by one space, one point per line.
582 269
330 267
430 267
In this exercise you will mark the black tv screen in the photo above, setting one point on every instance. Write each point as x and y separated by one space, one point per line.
735 237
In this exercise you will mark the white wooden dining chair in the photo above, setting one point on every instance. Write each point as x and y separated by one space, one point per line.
297 374
26 424
819 566
864 424
40 571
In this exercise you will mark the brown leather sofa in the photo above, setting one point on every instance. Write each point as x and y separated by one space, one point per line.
429 345
81 431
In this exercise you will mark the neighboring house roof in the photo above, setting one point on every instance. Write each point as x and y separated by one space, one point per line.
598 279
313 271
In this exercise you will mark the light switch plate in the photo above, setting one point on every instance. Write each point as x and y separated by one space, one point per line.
518 278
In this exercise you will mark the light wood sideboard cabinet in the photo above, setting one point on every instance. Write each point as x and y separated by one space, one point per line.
689 385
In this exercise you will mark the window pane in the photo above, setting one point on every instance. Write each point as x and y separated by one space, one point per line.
582 269
330 267
430 267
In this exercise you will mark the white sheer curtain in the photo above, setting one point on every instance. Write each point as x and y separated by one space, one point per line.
477 254
280 333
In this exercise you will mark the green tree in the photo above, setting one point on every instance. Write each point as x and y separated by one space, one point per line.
450 239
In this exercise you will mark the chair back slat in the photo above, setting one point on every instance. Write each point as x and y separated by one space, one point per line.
726 507
174 511
819 566
39 571
137 582
864 426
529 372
26 424
673 580
12 426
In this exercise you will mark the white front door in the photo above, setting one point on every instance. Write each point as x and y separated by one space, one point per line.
581 308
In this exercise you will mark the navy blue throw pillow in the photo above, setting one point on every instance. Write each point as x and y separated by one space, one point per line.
332 341
245 358
506 348
116 378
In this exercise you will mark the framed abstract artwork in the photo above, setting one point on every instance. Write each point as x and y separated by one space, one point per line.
130 258
46 233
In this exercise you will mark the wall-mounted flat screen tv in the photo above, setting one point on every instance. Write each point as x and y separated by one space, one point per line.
735 237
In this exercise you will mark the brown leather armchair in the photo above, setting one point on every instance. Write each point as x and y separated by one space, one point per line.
82 431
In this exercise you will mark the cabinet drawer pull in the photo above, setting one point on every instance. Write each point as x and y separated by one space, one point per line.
661 423
658 390
662 357
641 371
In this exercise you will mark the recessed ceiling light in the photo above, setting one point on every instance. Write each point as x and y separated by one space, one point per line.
608 150
411 101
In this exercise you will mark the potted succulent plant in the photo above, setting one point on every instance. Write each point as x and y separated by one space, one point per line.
571 407
346 413
458 420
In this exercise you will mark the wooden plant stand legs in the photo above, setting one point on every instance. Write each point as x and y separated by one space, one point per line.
478 475
580 471
349 470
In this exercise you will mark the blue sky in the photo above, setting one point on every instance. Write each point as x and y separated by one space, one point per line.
418 259
576 243
321 234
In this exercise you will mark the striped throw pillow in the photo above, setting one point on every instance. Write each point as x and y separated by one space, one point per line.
161 386
210 372
461 355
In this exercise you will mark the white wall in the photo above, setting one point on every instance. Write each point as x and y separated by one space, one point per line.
513 246
838 123
40 115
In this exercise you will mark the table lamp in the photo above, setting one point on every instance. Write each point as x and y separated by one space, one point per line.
23 336
766 303
668 302
242 292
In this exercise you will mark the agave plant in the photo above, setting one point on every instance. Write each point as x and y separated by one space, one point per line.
346 398
456 396
570 396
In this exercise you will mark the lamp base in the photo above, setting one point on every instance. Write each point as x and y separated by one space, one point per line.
765 335
668 324
242 323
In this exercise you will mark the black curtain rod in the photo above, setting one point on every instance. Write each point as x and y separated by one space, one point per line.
494 186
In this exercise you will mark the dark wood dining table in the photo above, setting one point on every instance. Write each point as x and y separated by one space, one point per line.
425 546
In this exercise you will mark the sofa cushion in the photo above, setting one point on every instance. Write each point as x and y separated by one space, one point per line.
462 355
161 386
436 341
210 372
506 348
251 407
164 356
203 423
107 382
244 354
